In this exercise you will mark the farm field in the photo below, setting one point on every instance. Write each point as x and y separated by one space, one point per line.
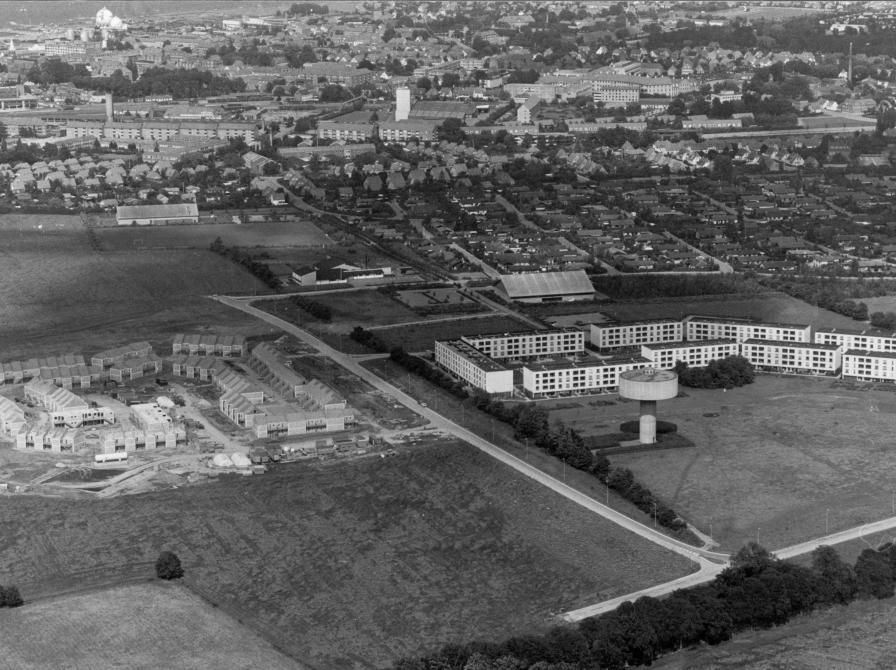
772 307
57 294
770 460
857 637
266 234
349 564
143 626
420 336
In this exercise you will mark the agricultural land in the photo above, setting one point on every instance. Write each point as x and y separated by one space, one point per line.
132 626
350 564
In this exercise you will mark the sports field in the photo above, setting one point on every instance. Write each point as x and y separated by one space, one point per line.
349 564
57 293
783 460
267 234
421 336
141 626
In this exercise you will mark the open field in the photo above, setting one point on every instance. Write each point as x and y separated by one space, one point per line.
885 303
771 307
150 625
770 460
857 637
58 294
420 336
267 234
350 564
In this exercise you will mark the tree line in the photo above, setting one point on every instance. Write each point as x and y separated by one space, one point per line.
313 307
724 373
829 293
670 286
756 591
260 270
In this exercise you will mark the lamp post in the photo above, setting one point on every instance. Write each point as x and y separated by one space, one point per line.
827 521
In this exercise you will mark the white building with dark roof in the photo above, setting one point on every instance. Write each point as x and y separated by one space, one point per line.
149 215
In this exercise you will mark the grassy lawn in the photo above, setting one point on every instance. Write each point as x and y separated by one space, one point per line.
420 336
265 234
771 307
143 626
770 459
858 637
58 294
351 564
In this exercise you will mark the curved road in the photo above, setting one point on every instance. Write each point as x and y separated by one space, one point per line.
701 556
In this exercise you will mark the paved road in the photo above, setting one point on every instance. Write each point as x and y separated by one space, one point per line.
701 556
837 538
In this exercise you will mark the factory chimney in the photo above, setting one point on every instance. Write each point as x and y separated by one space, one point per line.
110 109
849 71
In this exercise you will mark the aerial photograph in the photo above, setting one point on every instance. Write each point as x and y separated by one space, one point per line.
447 335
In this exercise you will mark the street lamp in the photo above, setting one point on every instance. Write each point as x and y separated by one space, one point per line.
827 521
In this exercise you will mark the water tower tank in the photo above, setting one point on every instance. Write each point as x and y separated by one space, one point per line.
648 385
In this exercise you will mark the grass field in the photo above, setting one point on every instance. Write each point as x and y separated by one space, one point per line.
885 303
58 294
771 307
144 626
351 564
420 336
771 458
267 234
857 637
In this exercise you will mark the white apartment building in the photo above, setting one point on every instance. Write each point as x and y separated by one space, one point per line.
635 333
870 339
616 95
465 361
664 356
872 366
350 132
563 377
402 131
562 341
792 357
715 328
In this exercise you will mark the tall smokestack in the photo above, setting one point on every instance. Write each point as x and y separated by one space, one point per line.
110 110
849 72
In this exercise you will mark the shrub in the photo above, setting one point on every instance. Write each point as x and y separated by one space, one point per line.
168 566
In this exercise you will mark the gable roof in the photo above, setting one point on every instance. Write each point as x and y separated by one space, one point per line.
534 284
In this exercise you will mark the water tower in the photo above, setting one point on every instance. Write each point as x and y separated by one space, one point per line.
648 385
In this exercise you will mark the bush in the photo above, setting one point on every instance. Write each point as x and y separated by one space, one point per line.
168 566
10 597
313 307
726 373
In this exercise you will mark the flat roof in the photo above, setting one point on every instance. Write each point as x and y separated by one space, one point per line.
690 344
737 321
565 363
794 345
649 375
641 322
867 332
870 354
524 333
470 352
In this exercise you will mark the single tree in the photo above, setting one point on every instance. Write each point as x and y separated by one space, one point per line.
168 566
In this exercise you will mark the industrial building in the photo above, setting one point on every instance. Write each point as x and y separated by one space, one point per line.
560 341
157 215
636 333
792 357
474 367
548 286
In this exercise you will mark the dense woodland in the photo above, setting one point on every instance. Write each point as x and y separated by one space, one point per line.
724 373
